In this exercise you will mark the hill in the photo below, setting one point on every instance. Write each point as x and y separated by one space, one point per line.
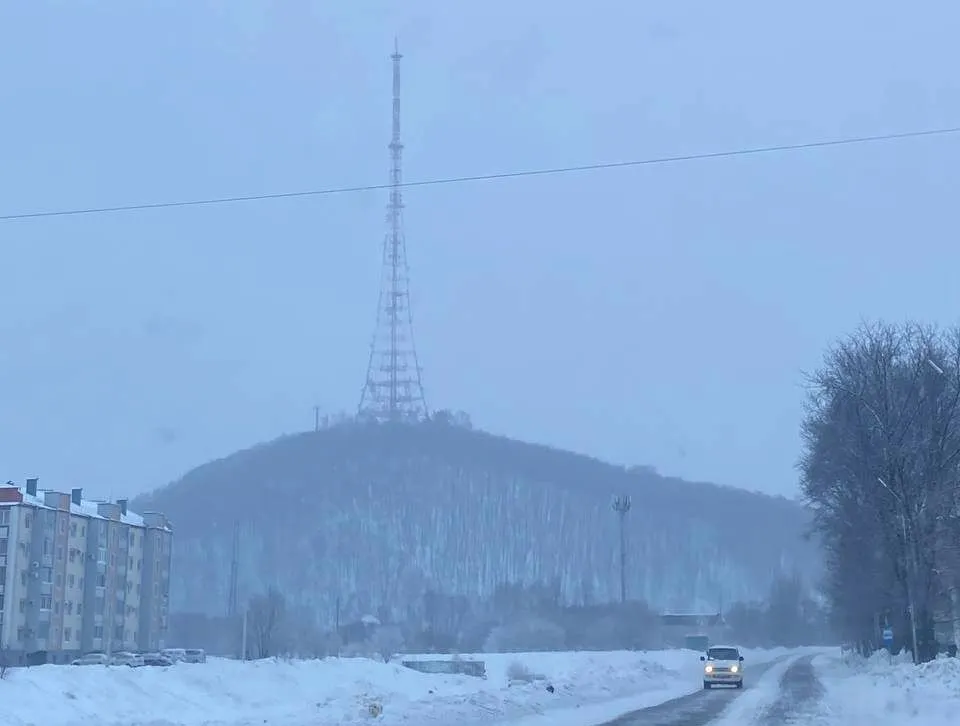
377 515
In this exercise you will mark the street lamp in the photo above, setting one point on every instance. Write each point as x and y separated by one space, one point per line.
907 565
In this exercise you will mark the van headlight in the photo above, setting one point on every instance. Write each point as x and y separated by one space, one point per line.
708 669
734 669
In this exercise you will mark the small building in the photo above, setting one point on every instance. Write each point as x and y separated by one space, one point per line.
693 630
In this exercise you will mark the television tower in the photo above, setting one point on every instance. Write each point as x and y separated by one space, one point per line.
393 390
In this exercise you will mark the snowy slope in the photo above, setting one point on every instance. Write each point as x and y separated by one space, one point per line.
883 691
332 691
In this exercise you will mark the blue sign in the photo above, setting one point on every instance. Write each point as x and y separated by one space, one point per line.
888 635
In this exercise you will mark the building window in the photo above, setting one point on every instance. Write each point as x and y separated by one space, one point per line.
97 632
59 580
67 635
27 520
79 608
20 632
47 546
23 578
23 605
83 530
45 602
4 516
73 529
59 554
70 580
73 555
63 525
46 575
102 555
56 608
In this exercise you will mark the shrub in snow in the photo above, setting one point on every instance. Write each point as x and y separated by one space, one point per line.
527 635
386 641
517 672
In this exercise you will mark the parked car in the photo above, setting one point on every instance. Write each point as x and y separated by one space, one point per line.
125 658
174 654
195 655
91 659
156 659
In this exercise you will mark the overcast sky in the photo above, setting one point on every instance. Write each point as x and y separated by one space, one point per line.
658 315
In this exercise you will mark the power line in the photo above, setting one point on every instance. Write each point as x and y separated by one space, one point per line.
551 171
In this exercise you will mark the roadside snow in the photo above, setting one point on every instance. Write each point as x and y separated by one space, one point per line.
587 688
885 691
758 695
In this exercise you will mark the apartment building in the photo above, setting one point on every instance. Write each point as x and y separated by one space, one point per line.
78 576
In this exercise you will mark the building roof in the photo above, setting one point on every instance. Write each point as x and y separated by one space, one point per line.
87 508
692 620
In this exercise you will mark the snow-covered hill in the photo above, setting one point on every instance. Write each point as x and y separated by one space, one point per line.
378 516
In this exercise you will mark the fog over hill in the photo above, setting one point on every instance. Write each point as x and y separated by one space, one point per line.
377 515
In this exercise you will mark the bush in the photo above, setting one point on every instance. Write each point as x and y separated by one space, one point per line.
527 635
519 673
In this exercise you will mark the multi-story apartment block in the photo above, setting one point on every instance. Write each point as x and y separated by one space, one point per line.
78 576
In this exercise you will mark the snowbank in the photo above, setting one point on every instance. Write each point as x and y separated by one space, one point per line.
885 691
593 686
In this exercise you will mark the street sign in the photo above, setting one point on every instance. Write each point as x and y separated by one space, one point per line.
888 636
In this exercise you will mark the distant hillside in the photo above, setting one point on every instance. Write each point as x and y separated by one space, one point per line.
379 514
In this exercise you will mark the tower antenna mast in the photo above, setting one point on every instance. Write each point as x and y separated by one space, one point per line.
393 390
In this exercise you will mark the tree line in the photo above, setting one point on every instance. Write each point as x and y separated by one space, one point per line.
517 618
880 468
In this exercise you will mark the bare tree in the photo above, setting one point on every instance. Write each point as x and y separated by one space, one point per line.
265 620
386 641
881 459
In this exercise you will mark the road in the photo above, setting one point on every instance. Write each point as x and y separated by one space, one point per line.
799 687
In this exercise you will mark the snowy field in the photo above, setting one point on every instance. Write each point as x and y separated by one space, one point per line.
586 688
884 691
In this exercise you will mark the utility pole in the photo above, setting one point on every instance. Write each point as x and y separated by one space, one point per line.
243 635
621 505
233 592
316 418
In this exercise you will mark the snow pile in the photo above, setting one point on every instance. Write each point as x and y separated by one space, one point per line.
597 686
758 696
889 691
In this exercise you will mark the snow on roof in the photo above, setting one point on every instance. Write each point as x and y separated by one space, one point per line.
87 507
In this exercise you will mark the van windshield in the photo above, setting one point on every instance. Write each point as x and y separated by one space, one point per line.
723 654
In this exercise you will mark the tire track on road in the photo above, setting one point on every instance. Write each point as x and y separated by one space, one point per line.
695 709
800 692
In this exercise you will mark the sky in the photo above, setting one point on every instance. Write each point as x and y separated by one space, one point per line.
661 315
